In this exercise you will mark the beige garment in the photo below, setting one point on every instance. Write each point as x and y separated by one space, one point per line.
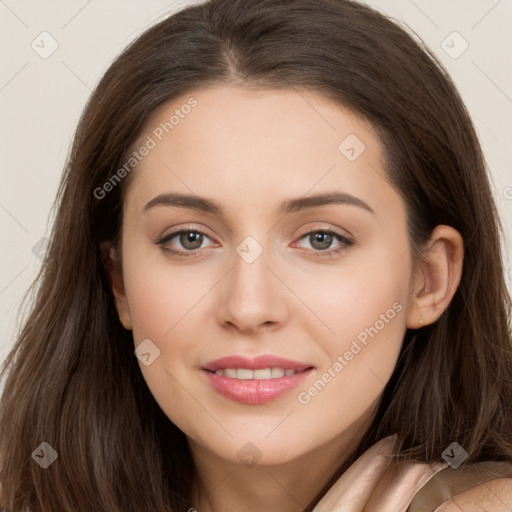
417 487
451 482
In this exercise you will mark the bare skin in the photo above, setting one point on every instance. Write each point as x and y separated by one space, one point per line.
249 151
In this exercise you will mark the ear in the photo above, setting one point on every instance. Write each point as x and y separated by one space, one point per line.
437 278
115 273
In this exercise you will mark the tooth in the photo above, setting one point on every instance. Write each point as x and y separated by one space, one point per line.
263 374
277 372
244 374
247 374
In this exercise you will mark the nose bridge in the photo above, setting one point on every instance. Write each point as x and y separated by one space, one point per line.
250 275
251 295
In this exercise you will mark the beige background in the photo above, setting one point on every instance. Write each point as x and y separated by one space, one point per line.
41 100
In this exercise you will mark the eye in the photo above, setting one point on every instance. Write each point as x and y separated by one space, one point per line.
321 240
186 240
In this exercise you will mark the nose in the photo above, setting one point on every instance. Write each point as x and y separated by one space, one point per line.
252 298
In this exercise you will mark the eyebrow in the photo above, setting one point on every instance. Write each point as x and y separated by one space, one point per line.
205 205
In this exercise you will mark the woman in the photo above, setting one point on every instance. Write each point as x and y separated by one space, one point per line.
275 247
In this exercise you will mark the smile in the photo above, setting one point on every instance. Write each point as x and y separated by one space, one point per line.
247 374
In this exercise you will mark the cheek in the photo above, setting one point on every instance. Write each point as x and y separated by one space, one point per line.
163 296
167 307
165 302
363 322
367 289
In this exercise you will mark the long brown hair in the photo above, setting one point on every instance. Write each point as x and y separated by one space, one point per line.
73 380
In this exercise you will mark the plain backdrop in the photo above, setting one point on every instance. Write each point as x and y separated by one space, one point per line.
54 53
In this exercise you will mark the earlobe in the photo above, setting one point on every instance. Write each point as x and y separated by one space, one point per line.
114 271
438 277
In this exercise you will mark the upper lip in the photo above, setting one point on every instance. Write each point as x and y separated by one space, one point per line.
256 363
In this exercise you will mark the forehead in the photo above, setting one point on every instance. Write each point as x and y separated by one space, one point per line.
247 146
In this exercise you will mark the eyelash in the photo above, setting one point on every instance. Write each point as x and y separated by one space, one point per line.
345 243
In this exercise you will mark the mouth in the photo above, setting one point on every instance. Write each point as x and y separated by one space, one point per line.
255 381
262 373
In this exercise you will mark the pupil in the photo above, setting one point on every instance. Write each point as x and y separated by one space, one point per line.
190 240
324 240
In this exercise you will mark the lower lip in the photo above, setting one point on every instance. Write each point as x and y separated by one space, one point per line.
255 391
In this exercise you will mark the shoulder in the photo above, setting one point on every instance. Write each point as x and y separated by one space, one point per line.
495 495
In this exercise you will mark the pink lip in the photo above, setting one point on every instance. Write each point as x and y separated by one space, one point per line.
255 391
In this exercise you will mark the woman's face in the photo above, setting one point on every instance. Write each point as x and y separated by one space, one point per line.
282 239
